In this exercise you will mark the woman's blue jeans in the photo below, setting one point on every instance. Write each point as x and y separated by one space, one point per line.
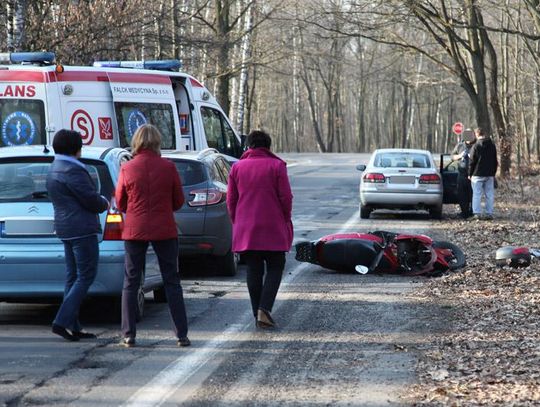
82 257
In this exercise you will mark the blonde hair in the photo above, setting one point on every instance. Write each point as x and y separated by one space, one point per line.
147 137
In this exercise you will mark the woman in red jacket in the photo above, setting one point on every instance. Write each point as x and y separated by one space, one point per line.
149 191
259 201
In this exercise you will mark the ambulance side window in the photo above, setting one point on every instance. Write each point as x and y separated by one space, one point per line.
219 134
22 122
130 116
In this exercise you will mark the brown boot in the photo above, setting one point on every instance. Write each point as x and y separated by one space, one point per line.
264 319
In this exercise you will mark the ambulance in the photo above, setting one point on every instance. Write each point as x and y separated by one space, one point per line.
107 102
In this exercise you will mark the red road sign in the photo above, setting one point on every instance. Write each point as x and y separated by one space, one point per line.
457 128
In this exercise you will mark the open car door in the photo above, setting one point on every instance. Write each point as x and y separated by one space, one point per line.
449 174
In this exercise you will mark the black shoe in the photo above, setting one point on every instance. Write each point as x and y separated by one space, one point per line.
63 332
264 319
127 342
84 335
183 342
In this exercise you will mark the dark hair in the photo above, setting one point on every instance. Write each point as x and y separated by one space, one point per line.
480 131
67 142
258 138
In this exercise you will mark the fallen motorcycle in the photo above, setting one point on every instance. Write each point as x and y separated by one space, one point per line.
382 252
515 256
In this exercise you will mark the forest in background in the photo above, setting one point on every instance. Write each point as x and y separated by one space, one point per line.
325 75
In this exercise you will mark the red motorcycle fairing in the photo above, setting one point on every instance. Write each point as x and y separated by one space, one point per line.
363 236
421 238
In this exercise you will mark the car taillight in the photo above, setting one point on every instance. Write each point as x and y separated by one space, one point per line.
114 224
374 177
203 197
429 179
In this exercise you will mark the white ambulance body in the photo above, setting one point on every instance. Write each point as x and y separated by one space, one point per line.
107 103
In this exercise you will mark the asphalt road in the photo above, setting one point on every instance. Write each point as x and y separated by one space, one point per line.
343 339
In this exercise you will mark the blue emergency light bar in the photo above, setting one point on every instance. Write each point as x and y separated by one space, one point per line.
165 65
43 58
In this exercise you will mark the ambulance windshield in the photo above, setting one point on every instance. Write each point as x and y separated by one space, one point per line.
22 122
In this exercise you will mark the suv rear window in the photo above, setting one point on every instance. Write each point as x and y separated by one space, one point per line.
191 172
24 179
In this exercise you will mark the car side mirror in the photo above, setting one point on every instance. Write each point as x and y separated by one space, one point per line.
361 167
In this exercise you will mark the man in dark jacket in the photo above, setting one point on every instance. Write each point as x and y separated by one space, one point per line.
76 206
461 154
482 168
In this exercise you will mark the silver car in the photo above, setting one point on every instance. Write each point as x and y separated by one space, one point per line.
400 179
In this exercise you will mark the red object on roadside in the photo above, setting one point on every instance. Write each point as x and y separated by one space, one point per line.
457 128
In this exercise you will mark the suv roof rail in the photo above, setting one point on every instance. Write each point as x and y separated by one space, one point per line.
207 151
37 58
173 65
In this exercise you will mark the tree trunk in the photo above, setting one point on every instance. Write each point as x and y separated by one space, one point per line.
246 54
223 75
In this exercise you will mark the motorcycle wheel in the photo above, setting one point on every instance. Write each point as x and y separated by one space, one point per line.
456 261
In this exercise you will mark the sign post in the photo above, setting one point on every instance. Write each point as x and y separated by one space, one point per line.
457 128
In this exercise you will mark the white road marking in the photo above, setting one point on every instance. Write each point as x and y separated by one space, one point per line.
171 378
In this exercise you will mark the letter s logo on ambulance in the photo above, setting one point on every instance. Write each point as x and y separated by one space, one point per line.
82 122
18 129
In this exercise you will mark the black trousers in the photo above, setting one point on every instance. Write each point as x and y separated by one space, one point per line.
263 286
167 254
465 195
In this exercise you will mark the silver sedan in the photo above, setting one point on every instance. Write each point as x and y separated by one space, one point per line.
400 179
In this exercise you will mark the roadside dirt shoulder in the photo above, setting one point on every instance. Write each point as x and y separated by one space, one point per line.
489 351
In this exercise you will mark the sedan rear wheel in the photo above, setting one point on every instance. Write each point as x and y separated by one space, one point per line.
228 264
436 212
365 212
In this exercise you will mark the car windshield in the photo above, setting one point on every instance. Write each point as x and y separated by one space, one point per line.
24 179
402 160
191 172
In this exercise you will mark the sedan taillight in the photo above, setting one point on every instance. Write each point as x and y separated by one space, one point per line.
429 179
374 177
114 224
203 197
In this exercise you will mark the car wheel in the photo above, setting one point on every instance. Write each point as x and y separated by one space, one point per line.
364 212
140 301
160 295
228 264
436 212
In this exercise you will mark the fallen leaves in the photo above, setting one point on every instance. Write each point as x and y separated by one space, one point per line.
488 351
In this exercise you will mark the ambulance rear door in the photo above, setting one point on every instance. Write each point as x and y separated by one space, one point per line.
141 98
22 108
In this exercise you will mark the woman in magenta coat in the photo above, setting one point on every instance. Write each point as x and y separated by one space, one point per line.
149 191
259 200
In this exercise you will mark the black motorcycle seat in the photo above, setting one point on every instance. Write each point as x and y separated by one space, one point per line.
344 254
